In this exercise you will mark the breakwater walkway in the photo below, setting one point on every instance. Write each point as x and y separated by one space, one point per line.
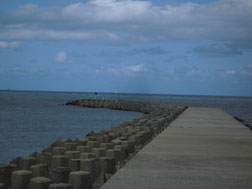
202 148
169 146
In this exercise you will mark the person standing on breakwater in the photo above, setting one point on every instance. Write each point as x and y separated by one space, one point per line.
95 93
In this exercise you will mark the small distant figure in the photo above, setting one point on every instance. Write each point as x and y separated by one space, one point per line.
95 94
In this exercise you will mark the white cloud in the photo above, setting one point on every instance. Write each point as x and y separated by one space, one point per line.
131 21
246 70
61 57
228 73
8 44
131 70
115 71
136 68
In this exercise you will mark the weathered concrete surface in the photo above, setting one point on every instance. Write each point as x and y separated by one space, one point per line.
202 148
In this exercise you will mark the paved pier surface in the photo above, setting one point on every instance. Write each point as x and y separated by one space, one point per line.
202 148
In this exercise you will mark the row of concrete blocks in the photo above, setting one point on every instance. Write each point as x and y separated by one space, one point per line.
99 154
24 179
85 157
60 174
56 158
145 107
151 109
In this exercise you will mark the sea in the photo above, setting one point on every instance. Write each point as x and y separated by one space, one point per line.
31 120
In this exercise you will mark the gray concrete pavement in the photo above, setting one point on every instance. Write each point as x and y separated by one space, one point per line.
202 148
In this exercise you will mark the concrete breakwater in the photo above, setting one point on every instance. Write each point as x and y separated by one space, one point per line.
90 161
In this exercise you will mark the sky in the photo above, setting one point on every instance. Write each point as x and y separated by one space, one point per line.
200 47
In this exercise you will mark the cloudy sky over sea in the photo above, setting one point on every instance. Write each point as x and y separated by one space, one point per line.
162 46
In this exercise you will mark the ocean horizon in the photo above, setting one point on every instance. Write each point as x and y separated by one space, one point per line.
116 92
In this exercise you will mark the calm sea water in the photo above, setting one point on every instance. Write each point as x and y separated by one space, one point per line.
31 120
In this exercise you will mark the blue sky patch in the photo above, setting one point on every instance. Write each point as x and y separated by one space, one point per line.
168 47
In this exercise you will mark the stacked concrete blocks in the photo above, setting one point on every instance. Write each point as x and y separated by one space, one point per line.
60 186
20 179
5 174
92 166
80 180
74 164
40 170
3 186
60 174
90 160
27 162
59 161
39 183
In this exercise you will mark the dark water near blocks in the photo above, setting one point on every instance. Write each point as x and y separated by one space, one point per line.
31 120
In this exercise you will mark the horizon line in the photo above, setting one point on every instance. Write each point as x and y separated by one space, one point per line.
116 92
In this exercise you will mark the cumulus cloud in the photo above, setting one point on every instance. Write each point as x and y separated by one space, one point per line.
246 70
122 21
136 68
228 73
61 57
217 50
9 44
234 73
122 70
